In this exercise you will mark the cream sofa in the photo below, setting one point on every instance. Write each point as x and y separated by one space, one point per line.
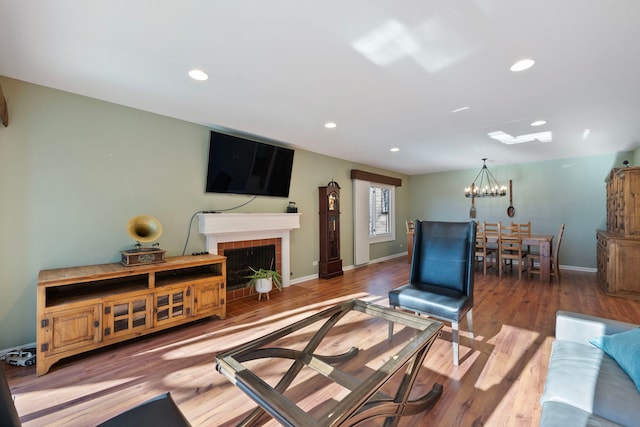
584 386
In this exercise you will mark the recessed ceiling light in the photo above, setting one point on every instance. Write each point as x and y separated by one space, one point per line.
457 110
394 149
330 125
198 75
523 64
539 123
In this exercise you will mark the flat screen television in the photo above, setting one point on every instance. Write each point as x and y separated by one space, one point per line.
243 166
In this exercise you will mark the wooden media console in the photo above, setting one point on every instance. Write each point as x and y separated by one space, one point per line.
84 308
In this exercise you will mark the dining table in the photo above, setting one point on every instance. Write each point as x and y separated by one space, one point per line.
543 241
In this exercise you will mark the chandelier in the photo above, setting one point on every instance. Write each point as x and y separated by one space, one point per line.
485 185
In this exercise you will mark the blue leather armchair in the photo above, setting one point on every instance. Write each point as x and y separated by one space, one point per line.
442 275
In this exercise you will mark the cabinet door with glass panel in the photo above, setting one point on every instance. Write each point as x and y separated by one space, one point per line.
127 316
171 304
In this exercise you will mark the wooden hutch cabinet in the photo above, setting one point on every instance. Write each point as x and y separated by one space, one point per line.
618 250
83 308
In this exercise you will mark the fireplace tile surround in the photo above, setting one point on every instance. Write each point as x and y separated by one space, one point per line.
241 230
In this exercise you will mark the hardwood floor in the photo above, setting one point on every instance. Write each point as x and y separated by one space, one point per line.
498 382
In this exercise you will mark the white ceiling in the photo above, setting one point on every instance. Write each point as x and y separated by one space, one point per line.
280 69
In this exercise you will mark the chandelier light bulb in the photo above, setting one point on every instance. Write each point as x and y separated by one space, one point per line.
485 185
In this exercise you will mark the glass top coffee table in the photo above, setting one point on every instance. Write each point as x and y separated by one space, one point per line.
337 367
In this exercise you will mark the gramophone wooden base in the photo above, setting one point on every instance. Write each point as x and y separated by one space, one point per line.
141 256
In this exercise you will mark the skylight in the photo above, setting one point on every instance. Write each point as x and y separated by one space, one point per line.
505 138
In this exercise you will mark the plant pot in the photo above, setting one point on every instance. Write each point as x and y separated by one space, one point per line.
264 286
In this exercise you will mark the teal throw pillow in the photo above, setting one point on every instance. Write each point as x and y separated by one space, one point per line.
624 348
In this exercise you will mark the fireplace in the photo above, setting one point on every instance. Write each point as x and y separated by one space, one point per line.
224 231
241 260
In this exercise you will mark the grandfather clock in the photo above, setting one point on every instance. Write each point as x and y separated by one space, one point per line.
329 201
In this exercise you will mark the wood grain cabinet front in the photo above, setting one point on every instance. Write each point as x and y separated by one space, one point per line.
129 316
619 265
66 330
618 247
83 308
208 296
171 305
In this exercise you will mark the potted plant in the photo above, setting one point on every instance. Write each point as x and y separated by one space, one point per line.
263 280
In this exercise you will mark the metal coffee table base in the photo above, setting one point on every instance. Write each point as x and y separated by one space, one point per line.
364 400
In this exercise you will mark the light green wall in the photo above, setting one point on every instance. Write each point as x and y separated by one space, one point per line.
570 191
73 170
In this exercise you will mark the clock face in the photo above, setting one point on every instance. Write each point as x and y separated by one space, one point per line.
333 201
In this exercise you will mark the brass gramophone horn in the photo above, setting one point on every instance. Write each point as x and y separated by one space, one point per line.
144 228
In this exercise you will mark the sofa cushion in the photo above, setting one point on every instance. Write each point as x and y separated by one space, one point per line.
583 376
624 348
557 414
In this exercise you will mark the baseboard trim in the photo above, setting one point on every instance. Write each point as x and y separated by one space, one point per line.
348 267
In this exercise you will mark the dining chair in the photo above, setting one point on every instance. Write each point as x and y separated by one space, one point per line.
525 230
491 229
442 277
409 226
555 266
524 227
484 254
511 249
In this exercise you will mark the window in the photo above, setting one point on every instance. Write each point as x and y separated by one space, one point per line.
373 212
381 209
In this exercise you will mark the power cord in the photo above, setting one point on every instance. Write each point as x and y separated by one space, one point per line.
184 250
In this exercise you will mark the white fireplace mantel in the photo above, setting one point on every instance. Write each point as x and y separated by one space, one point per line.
233 227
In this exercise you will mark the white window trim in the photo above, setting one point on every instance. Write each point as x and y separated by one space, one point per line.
391 236
360 222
